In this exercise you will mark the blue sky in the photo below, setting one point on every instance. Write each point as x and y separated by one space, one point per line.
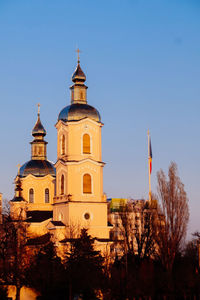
142 61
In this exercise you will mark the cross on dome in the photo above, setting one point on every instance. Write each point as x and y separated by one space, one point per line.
38 129
38 108
78 55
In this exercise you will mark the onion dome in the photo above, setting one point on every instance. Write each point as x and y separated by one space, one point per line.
38 168
18 197
78 74
38 129
77 111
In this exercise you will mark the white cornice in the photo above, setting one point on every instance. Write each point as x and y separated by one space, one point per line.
68 163
37 177
58 124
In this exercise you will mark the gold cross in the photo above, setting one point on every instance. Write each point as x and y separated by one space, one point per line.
78 54
38 108
18 166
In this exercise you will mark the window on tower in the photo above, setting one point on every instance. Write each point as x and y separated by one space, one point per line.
63 145
87 184
86 143
62 185
72 95
46 195
81 95
40 150
31 196
60 217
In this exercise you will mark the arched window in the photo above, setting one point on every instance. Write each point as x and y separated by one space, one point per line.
31 196
86 143
72 95
87 184
46 195
60 217
62 185
63 145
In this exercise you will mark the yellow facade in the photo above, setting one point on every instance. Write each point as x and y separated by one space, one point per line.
75 190
39 185
73 205
25 293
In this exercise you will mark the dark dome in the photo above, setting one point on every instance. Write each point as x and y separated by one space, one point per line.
75 112
37 168
78 74
38 128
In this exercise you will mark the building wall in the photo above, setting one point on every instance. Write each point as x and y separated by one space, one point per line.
25 293
38 184
73 132
74 207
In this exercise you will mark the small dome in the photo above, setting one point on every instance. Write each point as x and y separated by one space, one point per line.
37 168
17 199
38 129
78 74
77 111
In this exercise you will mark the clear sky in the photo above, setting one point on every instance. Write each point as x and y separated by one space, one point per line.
142 62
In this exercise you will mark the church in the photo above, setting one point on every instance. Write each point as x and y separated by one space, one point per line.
64 197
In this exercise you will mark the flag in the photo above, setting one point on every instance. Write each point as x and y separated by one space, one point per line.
150 156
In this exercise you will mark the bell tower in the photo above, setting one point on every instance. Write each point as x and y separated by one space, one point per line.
79 196
78 89
38 145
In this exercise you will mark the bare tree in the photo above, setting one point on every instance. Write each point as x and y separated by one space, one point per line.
173 218
137 228
126 226
145 230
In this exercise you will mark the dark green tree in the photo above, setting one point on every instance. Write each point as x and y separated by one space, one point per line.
14 258
84 267
47 274
3 293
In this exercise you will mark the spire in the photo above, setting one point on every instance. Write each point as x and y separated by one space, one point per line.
78 73
78 89
18 189
38 129
78 55
38 144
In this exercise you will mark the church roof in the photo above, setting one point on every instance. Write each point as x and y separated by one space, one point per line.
38 129
37 168
40 240
78 74
68 240
57 223
17 199
77 111
37 216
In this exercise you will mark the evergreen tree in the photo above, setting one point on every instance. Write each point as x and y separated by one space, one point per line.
84 267
3 293
47 275
14 257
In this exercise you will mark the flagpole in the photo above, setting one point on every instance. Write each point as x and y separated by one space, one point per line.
149 167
